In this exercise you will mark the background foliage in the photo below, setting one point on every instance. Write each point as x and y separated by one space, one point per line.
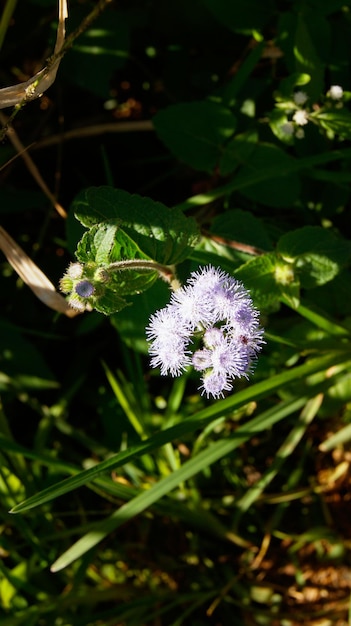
173 132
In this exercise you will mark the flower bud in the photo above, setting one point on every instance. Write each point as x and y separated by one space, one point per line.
75 270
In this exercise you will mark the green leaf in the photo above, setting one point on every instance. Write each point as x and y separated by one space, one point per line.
284 452
238 151
318 254
287 85
338 121
196 464
98 52
110 302
101 246
104 244
302 42
222 407
241 17
328 6
268 280
21 365
242 226
277 120
97 243
144 226
262 174
195 132
239 80
268 177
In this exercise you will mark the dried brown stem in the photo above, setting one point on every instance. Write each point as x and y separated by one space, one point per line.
33 276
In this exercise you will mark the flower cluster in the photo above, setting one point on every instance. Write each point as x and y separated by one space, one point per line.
301 113
211 324
83 284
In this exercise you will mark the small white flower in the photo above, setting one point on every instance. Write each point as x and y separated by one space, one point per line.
300 117
75 270
287 129
336 92
300 97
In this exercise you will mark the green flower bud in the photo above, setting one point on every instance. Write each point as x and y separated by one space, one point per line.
66 284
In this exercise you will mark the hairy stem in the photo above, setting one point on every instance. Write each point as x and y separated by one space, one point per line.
166 272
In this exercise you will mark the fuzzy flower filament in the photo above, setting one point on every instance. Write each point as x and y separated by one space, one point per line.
211 324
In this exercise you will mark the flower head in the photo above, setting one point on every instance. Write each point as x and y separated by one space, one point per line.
169 337
75 270
336 92
300 97
82 284
287 129
300 117
84 289
211 324
214 384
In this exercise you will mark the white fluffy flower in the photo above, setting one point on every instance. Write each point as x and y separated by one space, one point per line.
300 97
287 129
336 92
300 117
210 323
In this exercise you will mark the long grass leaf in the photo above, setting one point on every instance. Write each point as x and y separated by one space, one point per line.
190 468
204 417
292 440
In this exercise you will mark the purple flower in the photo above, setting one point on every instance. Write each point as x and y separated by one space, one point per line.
215 309
169 337
192 307
84 289
214 384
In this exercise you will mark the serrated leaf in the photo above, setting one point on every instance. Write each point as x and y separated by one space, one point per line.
96 244
129 282
111 302
195 132
99 248
105 244
317 253
159 233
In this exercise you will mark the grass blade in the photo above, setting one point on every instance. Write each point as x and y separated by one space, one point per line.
204 417
190 468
